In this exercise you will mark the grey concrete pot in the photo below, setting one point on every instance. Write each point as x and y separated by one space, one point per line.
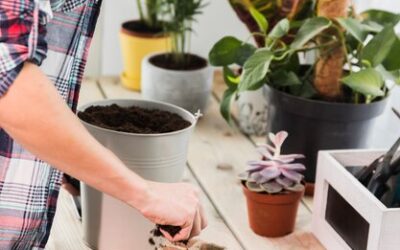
107 222
189 89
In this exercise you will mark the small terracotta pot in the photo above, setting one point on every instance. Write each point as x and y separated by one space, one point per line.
272 215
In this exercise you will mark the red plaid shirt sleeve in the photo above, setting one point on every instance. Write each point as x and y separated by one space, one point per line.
22 38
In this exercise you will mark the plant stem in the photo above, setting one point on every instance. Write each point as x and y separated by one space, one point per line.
356 97
140 8
342 40
316 47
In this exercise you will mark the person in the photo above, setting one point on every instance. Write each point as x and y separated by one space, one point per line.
43 50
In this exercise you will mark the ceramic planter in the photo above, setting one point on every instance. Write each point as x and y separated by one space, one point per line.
134 47
252 109
317 125
107 222
272 215
189 89
346 215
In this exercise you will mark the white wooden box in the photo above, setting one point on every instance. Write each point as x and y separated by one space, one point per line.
371 225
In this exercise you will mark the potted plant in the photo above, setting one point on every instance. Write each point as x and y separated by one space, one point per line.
151 138
139 38
330 102
178 77
252 105
273 189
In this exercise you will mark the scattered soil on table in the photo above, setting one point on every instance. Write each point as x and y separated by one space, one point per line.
156 234
133 119
191 62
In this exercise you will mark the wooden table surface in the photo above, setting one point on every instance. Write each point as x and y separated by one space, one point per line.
212 143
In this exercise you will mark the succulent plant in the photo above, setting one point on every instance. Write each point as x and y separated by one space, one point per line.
276 172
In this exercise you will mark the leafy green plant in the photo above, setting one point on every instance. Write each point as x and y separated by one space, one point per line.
180 14
253 13
368 43
149 11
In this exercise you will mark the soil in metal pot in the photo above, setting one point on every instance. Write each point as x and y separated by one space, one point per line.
136 26
133 119
191 62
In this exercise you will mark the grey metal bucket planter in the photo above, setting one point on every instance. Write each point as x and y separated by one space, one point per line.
107 222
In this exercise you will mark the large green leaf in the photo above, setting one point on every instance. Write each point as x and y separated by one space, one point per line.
230 50
224 51
392 61
260 20
225 106
389 75
280 29
366 82
381 17
309 30
230 78
379 47
354 27
283 78
243 53
396 76
305 90
255 69
372 27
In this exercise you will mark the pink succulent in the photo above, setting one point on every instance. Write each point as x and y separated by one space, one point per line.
276 172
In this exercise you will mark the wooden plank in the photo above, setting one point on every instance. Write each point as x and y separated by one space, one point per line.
90 92
308 202
66 233
217 232
112 88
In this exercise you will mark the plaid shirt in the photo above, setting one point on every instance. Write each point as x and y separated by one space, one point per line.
56 35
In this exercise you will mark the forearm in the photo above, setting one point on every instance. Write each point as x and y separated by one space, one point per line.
34 114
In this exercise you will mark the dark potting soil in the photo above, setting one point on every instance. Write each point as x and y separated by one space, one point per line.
137 26
133 119
172 230
192 62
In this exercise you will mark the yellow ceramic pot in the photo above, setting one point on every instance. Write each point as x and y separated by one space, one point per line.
135 46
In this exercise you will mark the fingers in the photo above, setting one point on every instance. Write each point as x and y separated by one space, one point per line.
183 234
196 225
204 221
166 235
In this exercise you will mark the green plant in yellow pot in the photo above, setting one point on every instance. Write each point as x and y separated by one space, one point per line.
139 38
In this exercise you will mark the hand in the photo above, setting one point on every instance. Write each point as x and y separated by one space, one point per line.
177 205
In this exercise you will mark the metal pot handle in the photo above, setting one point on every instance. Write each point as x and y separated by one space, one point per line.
197 115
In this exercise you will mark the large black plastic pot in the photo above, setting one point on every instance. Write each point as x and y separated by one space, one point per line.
317 125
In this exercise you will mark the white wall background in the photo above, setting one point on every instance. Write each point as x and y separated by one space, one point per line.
217 20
